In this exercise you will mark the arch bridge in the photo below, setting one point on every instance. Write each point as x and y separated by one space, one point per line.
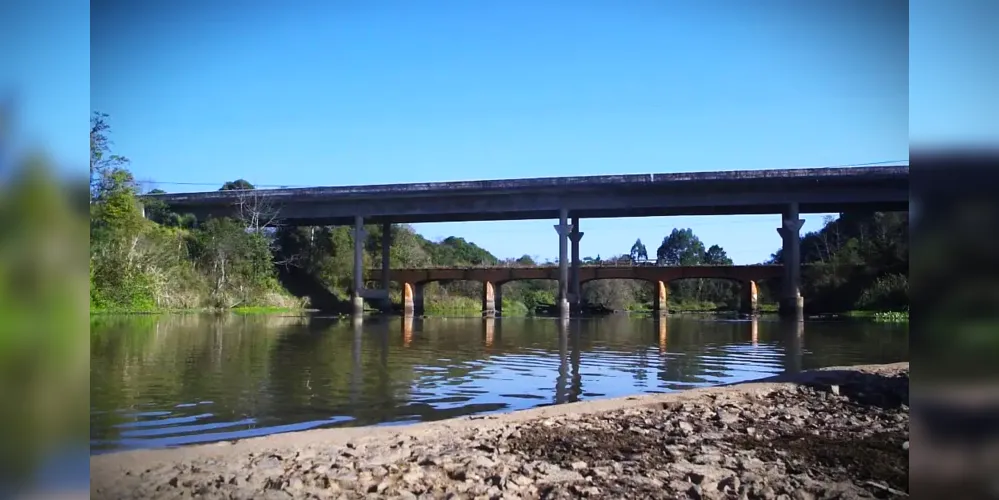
413 281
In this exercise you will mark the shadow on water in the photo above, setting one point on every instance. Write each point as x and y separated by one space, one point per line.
175 380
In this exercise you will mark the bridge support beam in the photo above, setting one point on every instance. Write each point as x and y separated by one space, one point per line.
412 299
488 299
660 301
749 298
575 293
408 300
357 295
792 304
563 229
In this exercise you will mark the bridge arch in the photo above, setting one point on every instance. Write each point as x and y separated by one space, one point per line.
413 282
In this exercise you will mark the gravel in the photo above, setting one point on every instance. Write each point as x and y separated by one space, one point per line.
842 435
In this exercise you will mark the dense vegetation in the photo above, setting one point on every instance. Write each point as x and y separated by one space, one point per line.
167 260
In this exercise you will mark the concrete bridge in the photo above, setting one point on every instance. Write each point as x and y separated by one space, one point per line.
787 192
412 281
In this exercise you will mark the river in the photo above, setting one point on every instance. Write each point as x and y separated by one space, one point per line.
159 381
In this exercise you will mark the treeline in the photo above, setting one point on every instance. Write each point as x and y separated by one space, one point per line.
857 261
167 260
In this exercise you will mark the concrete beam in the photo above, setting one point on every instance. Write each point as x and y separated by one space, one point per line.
703 193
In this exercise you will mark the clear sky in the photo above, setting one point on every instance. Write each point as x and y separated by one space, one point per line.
351 92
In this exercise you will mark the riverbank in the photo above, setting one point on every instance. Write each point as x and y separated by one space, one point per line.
835 431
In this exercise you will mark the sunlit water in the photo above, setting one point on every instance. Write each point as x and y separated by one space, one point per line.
175 380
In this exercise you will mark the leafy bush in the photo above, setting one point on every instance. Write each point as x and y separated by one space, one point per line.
888 293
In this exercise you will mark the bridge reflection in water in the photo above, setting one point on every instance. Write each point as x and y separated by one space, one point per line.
182 380
569 380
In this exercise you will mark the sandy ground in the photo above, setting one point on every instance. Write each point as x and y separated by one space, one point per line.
832 433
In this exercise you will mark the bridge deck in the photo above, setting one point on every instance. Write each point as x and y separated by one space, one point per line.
820 190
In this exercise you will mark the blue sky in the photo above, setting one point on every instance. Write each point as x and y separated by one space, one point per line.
335 93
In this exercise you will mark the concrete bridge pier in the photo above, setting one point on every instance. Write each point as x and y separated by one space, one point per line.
412 299
576 290
660 302
792 304
563 228
749 298
357 295
488 299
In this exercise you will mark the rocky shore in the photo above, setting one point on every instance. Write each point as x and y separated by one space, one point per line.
837 433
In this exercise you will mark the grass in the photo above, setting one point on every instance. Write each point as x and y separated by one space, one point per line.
192 310
881 316
892 316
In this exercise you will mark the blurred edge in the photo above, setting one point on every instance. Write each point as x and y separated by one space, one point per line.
44 347
954 335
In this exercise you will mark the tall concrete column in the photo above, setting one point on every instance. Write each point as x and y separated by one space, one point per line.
563 229
660 301
357 297
576 289
408 300
749 298
386 263
792 305
488 299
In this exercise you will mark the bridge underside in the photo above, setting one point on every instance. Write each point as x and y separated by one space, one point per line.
813 208
703 193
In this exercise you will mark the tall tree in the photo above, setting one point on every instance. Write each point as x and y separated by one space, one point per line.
103 163
716 256
680 248
638 251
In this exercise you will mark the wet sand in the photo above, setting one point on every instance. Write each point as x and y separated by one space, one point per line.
833 433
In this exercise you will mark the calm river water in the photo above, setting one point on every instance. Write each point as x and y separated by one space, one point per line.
171 380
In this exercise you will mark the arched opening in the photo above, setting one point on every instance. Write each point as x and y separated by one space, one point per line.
768 294
452 297
610 295
705 295
527 297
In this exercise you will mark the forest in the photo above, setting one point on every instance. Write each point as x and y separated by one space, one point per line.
161 260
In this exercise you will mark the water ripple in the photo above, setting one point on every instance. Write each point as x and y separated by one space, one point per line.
150 388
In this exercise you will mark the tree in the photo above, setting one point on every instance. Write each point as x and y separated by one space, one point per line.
638 251
238 184
103 163
716 256
254 210
680 248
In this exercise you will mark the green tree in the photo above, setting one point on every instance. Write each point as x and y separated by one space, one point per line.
680 248
638 251
103 163
238 263
238 184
